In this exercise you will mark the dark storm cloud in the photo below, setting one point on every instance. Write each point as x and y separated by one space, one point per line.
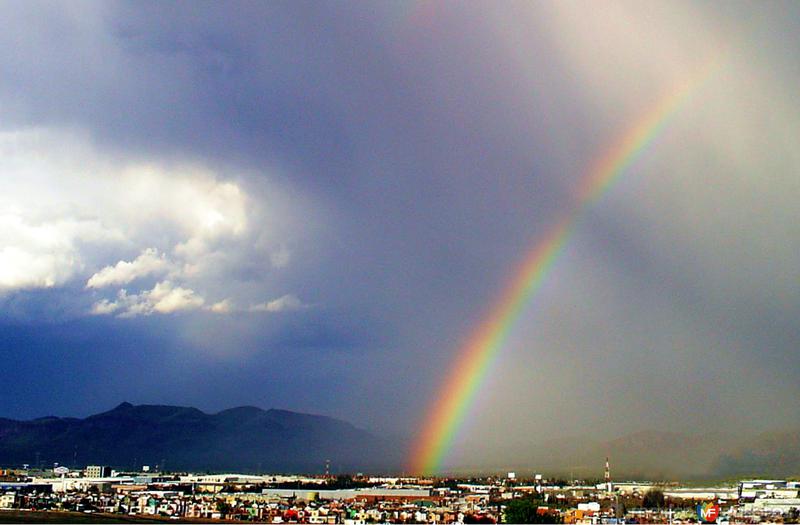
404 159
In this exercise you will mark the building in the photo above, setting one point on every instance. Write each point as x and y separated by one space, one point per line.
97 471
749 490
772 506
7 500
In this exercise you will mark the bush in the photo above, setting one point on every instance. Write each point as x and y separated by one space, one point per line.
524 510
653 499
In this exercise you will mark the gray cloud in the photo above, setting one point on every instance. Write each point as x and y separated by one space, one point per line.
283 303
393 166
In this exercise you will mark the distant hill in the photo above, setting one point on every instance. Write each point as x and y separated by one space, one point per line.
646 454
661 455
773 454
182 438
674 455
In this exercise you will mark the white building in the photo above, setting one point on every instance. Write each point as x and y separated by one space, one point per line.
772 506
7 500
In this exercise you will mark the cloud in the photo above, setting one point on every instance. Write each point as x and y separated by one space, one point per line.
74 212
23 267
105 307
42 253
164 298
151 138
148 263
222 307
285 303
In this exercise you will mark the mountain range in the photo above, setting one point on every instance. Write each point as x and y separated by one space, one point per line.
245 439
250 439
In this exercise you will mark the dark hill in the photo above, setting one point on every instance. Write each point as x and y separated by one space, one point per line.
185 438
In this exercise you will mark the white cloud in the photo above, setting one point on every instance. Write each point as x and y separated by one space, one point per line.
67 212
284 303
148 263
21 268
66 206
42 253
222 307
104 307
167 299
164 298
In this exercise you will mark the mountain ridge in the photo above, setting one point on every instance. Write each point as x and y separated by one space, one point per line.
252 439
246 438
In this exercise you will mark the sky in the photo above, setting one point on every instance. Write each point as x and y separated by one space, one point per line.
310 205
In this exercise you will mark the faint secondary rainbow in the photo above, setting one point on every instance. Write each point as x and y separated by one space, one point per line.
449 408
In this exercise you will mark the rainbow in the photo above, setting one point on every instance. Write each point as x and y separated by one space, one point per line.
446 414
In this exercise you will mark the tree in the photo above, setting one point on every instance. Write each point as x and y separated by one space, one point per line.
653 499
223 507
524 510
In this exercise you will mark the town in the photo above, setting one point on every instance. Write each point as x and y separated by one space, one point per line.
95 492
